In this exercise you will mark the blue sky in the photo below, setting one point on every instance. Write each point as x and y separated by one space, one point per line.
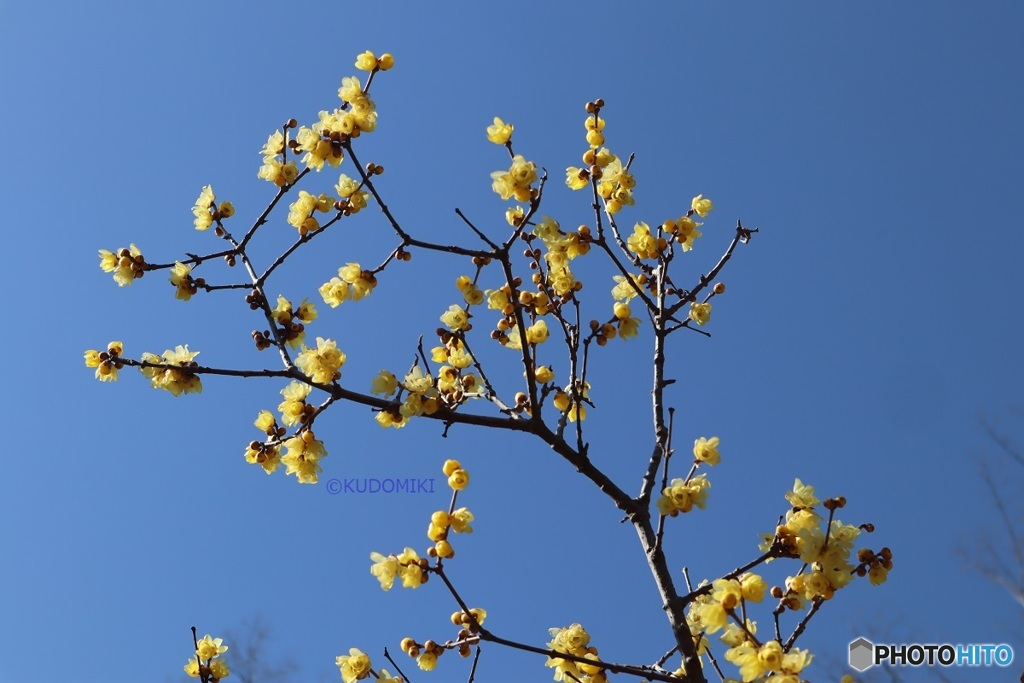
877 147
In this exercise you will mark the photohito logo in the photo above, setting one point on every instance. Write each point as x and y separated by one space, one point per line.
864 654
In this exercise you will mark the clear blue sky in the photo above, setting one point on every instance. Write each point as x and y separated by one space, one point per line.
876 145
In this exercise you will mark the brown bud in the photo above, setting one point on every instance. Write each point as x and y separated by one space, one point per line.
598 103
719 288
292 123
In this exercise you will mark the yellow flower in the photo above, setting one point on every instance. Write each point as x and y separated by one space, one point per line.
685 230
516 181
219 669
629 327
322 364
701 206
181 278
417 382
367 61
802 496
354 666
753 587
456 318
410 570
624 289
192 668
350 89
385 569
700 313
277 172
706 450
427 661
681 496
294 404
384 384
500 132
537 333
208 647
318 150
460 520
201 209
643 243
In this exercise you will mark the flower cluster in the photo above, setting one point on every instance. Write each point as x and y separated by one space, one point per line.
681 495
353 197
275 169
722 609
127 264
615 184
426 653
517 181
470 292
175 374
628 326
294 409
324 141
684 230
454 383
421 399
292 322
573 409
574 640
266 454
644 244
458 521
107 363
712 612
367 61
207 211
353 283
560 249
303 457
755 661
825 546
408 566
301 212
322 364
207 663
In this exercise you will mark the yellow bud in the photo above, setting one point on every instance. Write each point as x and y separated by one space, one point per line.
440 518
450 466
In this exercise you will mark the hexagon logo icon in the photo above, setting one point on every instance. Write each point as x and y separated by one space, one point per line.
862 653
